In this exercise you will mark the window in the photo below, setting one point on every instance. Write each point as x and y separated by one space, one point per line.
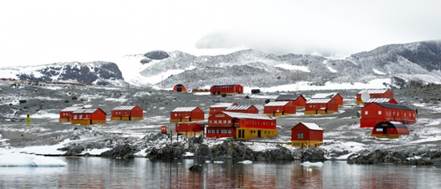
300 135
380 112
366 112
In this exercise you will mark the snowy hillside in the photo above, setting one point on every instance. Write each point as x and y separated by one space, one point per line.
420 61
100 73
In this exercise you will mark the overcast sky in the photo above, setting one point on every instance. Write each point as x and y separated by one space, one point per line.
46 31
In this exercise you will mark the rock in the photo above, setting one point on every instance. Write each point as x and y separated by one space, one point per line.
157 55
202 151
196 168
313 155
73 150
145 61
279 154
120 152
168 152
232 150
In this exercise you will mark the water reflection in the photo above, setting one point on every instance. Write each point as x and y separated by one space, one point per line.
142 173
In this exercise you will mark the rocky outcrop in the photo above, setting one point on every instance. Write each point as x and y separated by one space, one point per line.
168 152
157 55
120 152
397 156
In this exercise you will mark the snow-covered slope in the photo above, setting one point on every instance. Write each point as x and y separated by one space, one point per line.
420 61
100 73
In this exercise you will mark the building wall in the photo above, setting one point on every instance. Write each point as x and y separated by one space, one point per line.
196 115
226 89
280 110
376 114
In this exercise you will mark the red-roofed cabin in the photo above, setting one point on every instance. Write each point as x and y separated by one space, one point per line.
298 101
186 114
376 93
193 129
179 88
219 107
334 97
320 106
390 129
88 116
226 89
241 126
66 114
127 113
279 108
374 113
242 109
306 135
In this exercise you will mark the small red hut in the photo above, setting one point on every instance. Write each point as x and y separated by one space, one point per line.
186 114
192 129
334 97
88 116
241 126
299 101
179 88
279 108
375 93
67 113
243 109
127 113
320 106
226 89
390 129
306 135
219 107
374 113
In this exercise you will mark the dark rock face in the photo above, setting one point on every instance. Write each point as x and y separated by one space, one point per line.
157 55
313 155
279 154
145 61
196 168
84 73
169 152
232 150
120 152
397 156
73 150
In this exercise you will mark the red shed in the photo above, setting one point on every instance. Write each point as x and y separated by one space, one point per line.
375 93
320 106
279 108
306 135
186 114
374 113
67 113
243 109
335 97
241 126
88 116
219 107
179 88
127 113
226 89
299 101
390 129
192 129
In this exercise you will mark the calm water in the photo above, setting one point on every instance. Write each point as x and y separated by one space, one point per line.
142 173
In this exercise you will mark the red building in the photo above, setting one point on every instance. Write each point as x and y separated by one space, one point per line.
226 89
127 113
335 97
320 106
186 114
382 100
376 93
66 114
241 126
88 116
374 113
390 129
191 129
299 101
279 108
219 107
242 109
179 88
306 135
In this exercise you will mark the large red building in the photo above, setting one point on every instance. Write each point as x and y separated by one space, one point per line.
320 106
88 116
279 108
242 109
241 126
374 113
219 107
127 113
66 114
186 114
190 129
299 101
226 89
390 129
335 97
375 93
306 135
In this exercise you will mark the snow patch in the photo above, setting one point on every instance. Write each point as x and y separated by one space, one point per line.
378 72
293 67
14 159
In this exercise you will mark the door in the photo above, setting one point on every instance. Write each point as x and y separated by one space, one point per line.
241 133
259 133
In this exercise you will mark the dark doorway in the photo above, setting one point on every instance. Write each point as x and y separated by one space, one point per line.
259 133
